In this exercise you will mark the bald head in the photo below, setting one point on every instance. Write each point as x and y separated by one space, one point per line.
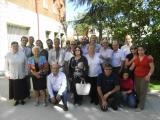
55 68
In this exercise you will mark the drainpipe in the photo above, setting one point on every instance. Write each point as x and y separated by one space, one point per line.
36 8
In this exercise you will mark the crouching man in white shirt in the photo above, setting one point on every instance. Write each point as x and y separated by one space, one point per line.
56 84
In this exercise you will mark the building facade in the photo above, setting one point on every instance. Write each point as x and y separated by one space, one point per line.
38 18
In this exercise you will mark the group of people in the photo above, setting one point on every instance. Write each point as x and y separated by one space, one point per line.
118 75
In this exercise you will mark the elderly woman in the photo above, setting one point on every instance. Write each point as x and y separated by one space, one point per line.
16 71
38 66
94 63
144 68
78 70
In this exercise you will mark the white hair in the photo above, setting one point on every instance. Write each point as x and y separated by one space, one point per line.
35 47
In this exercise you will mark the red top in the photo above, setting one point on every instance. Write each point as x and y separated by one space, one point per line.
126 84
142 67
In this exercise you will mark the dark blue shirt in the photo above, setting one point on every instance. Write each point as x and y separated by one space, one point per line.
107 83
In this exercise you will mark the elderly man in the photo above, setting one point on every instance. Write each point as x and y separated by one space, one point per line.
57 54
57 84
108 89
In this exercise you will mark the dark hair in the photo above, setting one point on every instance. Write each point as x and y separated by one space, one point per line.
49 40
14 42
81 53
107 65
41 42
125 71
24 37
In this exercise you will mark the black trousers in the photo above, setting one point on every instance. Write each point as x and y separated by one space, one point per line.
113 101
93 91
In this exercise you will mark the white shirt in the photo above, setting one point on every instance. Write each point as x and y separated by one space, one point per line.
68 56
52 57
105 53
117 58
16 65
56 83
94 65
27 51
126 49
84 49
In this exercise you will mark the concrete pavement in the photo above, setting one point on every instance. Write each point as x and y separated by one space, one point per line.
85 112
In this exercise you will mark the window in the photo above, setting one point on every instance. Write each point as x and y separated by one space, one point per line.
47 34
15 32
45 4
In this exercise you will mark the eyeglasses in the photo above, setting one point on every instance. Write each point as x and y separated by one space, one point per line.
67 43
77 50
73 44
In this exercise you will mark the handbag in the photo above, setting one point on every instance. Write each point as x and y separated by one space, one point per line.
83 88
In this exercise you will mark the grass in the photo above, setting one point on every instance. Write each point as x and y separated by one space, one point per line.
154 85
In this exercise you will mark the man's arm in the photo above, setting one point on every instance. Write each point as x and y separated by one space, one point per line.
63 85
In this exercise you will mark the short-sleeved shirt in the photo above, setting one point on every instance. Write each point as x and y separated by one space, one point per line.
107 83
126 84
142 67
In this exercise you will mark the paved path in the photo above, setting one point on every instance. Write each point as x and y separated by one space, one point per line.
85 112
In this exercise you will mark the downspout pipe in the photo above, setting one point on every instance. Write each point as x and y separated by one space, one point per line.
36 9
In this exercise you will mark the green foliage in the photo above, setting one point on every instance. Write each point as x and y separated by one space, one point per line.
139 18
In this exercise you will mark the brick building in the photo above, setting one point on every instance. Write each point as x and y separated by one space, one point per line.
38 18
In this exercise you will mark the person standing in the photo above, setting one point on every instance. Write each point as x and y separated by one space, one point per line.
57 54
117 58
94 63
78 71
16 71
144 68
28 53
126 47
38 66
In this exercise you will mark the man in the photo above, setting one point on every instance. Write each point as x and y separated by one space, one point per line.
57 84
49 44
126 47
117 58
30 42
28 53
108 89
23 47
84 46
93 41
57 54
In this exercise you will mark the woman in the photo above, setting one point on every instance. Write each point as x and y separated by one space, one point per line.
16 71
43 52
78 70
130 57
94 63
144 68
129 60
38 66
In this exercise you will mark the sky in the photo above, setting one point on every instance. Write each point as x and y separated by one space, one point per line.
72 11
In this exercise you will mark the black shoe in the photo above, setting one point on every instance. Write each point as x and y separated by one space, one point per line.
22 102
106 109
16 103
114 107
65 108
91 101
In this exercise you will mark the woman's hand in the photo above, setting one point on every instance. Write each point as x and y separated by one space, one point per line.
147 77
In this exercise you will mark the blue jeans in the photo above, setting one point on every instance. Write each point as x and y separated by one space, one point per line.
63 97
129 99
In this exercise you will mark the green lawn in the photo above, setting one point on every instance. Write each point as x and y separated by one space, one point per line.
154 85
